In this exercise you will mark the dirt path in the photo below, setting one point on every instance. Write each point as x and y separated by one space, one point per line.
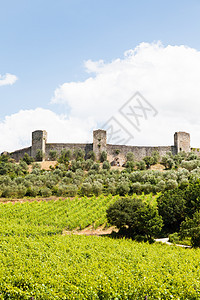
91 231
166 241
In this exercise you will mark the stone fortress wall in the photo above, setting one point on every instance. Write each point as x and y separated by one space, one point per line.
116 153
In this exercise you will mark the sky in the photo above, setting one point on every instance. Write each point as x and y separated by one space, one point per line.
72 66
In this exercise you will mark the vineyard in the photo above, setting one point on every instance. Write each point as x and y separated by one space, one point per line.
38 262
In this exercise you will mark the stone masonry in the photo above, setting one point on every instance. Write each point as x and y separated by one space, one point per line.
116 153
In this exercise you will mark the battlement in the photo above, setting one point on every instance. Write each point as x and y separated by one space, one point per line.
116 153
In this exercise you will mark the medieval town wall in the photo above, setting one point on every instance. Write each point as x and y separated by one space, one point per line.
116 153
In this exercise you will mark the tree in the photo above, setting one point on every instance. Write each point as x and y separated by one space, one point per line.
103 156
148 161
39 155
134 217
91 155
171 206
65 156
27 159
191 228
106 165
53 154
129 156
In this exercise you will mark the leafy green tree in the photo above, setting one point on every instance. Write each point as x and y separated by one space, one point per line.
130 156
53 154
91 155
65 156
134 217
155 157
148 161
97 188
103 156
191 228
39 155
95 166
141 165
167 161
79 154
27 159
86 189
171 206
106 165
123 187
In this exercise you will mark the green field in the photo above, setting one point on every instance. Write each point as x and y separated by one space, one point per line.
38 262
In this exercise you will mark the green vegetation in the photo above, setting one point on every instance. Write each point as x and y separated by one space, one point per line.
38 262
135 218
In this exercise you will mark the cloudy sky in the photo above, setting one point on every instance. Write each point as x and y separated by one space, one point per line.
71 66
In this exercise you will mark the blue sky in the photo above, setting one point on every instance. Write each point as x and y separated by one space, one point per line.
45 44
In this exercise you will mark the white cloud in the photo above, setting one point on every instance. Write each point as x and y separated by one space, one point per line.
15 130
168 77
7 79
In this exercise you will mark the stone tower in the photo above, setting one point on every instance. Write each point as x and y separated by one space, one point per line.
39 139
182 141
99 142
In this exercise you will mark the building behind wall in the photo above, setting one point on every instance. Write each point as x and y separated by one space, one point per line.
116 153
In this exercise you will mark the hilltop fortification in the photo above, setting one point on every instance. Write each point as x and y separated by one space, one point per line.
116 153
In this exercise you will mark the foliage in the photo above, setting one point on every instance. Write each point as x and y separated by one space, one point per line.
27 159
191 228
65 156
53 154
171 206
135 217
103 156
39 155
